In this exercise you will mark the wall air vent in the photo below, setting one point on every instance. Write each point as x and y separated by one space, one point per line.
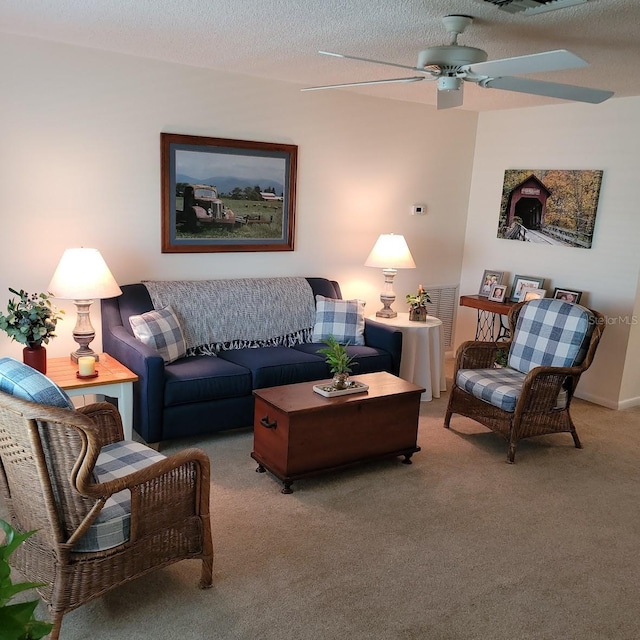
533 7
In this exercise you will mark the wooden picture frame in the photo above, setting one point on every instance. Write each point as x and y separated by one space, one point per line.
222 195
568 295
489 278
498 293
524 281
532 293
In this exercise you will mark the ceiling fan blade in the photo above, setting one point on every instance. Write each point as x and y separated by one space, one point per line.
532 63
551 89
449 99
387 64
366 82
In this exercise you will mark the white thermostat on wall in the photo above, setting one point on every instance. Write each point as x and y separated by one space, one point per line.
418 209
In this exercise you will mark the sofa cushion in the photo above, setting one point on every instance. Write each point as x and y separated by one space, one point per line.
342 319
274 366
24 382
161 330
366 359
204 378
113 524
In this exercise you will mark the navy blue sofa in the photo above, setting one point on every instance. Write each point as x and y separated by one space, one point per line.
203 394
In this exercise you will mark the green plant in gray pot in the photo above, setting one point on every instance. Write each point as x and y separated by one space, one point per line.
339 362
17 620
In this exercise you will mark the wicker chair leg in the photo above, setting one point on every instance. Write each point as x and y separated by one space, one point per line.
447 418
576 440
512 452
206 575
54 634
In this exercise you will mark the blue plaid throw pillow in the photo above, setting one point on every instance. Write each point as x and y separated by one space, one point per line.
342 319
161 330
22 381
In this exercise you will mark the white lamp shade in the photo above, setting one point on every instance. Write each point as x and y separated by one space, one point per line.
82 274
390 252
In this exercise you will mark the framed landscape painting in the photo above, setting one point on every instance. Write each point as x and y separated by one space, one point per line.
550 206
221 195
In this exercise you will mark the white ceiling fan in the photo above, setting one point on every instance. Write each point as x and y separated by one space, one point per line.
452 64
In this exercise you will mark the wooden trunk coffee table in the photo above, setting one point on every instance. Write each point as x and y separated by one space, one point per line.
298 433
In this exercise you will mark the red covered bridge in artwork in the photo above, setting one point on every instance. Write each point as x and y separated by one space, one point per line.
528 201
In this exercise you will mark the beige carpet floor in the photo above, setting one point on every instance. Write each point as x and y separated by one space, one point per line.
458 545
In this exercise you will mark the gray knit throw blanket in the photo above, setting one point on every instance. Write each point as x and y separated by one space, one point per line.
233 314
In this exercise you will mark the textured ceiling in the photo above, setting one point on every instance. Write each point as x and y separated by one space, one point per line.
280 39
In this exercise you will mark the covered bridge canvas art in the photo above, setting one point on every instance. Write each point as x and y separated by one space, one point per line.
550 206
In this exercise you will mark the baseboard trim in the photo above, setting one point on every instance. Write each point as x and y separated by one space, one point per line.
605 402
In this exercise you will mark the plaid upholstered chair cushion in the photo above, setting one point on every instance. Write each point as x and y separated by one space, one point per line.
550 333
24 382
112 526
499 387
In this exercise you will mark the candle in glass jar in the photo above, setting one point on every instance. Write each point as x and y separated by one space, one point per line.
86 365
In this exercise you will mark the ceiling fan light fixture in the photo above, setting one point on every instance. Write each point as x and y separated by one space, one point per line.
449 83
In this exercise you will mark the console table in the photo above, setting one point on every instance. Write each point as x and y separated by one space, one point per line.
113 380
490 326
422 359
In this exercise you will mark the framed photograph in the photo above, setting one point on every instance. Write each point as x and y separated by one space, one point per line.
569 295
226 195
531 293
489 278
519 282
498 292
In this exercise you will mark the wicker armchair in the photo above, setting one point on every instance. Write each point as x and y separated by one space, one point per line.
552 343
48 461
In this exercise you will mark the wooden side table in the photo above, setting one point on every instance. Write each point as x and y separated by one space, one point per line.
422 352
113 380
490 315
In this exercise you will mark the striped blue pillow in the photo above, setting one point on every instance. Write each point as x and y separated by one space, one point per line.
22 381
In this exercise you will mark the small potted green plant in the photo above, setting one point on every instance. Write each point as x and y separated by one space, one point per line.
418 305
339 362
17 620
31 320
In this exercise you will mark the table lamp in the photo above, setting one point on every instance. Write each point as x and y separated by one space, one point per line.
82 276
390 253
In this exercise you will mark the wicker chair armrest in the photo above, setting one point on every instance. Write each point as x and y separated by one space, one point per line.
474 354
542 386
108 422
170 490
86 485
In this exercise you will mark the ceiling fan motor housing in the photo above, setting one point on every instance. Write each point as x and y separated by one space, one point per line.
450 57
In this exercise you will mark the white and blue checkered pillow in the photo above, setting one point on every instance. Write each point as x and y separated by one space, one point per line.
550 333
22 381
112 527
161 330
342 319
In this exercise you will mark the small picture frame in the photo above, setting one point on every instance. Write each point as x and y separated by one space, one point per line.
568 295
532 293
519 282
489 278
498 292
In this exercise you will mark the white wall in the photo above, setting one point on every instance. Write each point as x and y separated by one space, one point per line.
80 157
567 136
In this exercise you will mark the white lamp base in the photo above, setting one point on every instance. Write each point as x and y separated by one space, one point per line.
388 296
